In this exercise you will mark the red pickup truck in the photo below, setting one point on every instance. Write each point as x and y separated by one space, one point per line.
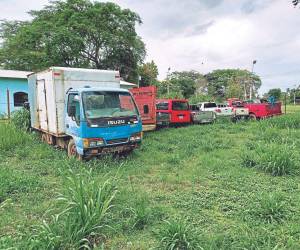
258 110
172 111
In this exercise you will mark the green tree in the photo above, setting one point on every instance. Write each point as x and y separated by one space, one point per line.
184 81
148 73
74 33
275 92
225 83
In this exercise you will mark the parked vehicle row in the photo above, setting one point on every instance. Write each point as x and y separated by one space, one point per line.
87 113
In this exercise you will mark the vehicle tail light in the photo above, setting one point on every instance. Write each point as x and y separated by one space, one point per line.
218 110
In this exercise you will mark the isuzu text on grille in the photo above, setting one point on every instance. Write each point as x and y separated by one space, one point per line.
116 122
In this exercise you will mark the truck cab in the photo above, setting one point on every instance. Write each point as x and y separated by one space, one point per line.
172 111
101 121
84 111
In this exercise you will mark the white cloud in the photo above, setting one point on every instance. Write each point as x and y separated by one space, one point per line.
209 34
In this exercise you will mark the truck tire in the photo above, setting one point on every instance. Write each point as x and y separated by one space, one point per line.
72 151
252 117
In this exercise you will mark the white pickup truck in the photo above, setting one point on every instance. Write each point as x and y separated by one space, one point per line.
220 109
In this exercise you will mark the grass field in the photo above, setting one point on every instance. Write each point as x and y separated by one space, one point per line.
220 186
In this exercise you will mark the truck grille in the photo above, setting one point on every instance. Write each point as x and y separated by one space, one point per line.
162 116
117 141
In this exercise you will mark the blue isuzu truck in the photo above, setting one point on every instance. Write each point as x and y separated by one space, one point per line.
84 111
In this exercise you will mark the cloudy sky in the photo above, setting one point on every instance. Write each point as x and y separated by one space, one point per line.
204 35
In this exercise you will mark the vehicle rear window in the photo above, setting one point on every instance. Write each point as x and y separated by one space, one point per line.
210 105
162 106
194 107
237 104
180 105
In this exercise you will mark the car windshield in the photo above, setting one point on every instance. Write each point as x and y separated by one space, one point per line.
210 105
100 104
162 106
176 105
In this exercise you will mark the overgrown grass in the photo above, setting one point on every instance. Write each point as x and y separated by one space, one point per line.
21 119
11 138
192 172
80 221
276 159
270 208
178 234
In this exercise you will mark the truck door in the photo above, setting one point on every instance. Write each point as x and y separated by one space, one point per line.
42 105
145 98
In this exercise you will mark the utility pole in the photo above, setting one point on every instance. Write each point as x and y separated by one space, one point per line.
168 81
245 90
251 83
295 87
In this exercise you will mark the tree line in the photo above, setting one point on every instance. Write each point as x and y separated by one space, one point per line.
91 34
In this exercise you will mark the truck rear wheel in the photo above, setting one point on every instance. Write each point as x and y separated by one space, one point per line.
72 150
252 117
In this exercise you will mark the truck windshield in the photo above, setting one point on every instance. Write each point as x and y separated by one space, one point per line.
162 106
180 105
100 104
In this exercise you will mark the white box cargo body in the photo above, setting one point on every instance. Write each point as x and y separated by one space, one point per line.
47 92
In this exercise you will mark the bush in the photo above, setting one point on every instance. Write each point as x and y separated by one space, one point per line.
84 207
21 119
178 235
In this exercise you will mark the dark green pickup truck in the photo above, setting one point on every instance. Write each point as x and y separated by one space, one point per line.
201 116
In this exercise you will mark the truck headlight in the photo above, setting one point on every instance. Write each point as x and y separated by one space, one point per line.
92 142
136 137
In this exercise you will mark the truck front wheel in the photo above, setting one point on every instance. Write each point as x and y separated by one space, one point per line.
72 151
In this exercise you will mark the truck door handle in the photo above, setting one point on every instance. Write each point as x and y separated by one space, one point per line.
67 125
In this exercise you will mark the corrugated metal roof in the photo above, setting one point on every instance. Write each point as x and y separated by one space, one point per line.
14 74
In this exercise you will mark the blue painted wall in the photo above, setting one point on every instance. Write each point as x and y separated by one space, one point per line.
14 85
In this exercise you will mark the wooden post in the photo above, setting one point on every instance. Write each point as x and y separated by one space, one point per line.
8 104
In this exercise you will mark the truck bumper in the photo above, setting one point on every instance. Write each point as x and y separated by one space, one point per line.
111 149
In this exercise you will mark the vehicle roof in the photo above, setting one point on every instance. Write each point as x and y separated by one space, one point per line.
17 74
168 100
86 89
205 102
69 69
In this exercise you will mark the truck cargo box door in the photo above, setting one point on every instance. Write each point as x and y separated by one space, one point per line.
42 105
145 98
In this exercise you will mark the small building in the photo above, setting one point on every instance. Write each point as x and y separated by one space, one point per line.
13 84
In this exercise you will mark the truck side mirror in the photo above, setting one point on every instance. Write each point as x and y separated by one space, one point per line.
72 111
